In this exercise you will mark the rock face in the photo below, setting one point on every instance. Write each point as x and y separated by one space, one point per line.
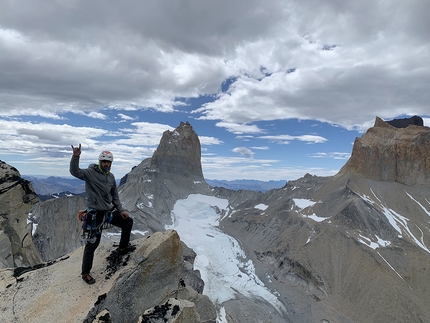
179 152
350 250
16 198
386 153
174 171
58 229
403 123
126 286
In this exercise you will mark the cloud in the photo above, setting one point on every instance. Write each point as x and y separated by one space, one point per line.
332 155
243 65
143 134
248 153
285 139
245 137
205 140
249 168
287 60
239 128
260 148
125 117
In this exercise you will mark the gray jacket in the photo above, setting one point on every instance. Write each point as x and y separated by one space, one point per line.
101 190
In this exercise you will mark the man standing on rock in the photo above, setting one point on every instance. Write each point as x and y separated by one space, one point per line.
101 197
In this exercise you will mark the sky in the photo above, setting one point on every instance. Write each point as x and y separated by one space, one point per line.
274 89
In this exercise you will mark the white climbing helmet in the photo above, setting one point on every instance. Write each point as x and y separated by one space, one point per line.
106 155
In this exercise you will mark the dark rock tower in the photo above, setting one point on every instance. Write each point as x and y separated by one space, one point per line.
179 152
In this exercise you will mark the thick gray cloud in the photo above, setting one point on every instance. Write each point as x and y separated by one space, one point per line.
341 62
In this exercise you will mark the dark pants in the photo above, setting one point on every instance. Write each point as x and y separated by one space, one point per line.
117 220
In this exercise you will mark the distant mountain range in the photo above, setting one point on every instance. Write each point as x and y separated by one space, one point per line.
53 186
245 184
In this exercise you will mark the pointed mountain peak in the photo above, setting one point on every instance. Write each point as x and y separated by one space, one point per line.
179 152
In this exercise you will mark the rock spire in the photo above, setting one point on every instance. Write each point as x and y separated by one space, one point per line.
179 152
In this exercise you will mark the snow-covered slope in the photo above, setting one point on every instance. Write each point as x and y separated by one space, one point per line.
221 260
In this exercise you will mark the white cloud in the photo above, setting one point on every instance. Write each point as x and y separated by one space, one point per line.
340 63
332 155
43 135
125 117
248 153
144 134
257 169
205 140
239 128
260 148
344 58
285 139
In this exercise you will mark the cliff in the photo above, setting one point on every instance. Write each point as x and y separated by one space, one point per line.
388 153
179 152
16 198
58 231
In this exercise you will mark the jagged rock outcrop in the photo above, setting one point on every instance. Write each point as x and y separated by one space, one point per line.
126 286
387 153
191 276
16 198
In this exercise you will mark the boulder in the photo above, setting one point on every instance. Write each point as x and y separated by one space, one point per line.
203 305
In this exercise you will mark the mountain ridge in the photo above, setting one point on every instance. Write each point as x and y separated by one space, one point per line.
56 186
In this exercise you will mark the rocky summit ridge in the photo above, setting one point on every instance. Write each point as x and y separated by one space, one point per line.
354 247
126 287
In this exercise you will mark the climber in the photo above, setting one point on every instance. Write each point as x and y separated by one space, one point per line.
101 197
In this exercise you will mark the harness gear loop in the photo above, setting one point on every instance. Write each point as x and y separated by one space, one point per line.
89 226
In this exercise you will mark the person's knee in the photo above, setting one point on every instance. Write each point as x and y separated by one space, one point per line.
129 222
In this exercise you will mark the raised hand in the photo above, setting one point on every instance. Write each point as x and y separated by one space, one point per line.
76 150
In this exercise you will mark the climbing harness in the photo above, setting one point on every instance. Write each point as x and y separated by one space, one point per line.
90 229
